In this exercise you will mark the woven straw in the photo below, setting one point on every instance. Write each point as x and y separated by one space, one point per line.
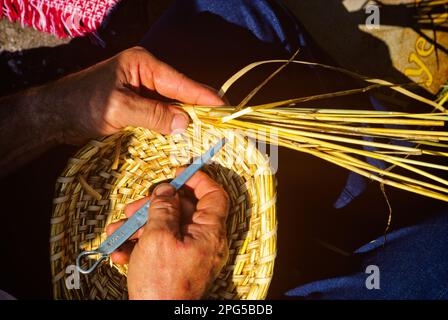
113 171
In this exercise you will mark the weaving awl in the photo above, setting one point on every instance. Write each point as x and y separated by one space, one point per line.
138 219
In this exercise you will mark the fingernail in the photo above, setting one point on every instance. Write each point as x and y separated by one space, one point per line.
180 123
165 189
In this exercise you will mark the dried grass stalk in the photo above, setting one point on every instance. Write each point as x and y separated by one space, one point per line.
347 138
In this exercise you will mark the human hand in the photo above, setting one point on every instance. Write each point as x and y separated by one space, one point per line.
107 97
182 248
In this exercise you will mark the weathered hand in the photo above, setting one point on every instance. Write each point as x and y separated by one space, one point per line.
181 249
109 96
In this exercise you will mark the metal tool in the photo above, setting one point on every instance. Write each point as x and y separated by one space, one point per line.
138 220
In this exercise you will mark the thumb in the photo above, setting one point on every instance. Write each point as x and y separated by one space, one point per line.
164 210
153 114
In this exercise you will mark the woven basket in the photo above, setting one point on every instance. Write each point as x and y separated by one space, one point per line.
111 172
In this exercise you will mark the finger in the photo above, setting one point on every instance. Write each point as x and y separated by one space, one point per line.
167 81
132 208
188 208
164 210
111 228
137 111
213 201
123 254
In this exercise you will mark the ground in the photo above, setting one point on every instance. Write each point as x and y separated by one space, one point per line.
29 57
15 37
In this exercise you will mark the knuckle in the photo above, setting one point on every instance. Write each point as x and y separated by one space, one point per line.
157 116
115 104
220 241
216 251
162 202
181 78
221 249
138 50
128 53
223 202
224 195
164 206
219 192
216 237
132 54
124 56
222 255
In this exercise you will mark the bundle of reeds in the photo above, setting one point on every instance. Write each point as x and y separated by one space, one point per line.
348 138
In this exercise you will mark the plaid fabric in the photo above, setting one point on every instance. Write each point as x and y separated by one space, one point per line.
63 18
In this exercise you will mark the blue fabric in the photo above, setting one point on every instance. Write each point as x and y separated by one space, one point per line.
412 265
6 296
266 20
209 40
356 184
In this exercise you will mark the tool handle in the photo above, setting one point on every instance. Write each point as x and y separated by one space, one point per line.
116 239
88 253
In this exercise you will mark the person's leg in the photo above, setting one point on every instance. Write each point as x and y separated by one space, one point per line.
411 265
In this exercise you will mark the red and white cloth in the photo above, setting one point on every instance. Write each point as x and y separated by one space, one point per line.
63 18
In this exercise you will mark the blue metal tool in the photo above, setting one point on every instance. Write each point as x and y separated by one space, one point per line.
138 220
